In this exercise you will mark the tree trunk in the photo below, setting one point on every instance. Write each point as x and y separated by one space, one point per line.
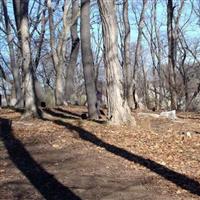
119 110
69 83
127 62
38 87
155 50
155 89
29 90
146 95
17 14
138 51
17 98
55 58
171 54
59 90
59 50
158 55
87 59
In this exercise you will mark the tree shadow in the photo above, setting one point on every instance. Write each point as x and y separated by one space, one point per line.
71 115
177 178
59 114
44 182
188 117
68 112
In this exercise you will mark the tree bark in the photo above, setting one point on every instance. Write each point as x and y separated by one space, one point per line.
127 62
146 94
138 51
29 90
59 50
119 111
158 54
171 54
17 14
87 59
55 58
69 82
18 98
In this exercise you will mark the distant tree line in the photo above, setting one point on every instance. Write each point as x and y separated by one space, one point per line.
137 54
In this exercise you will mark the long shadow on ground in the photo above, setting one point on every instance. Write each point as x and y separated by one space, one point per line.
68 112
180 180
44 182
69 115
193 118
59 114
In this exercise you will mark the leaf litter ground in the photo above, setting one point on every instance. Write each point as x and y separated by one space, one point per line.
65 157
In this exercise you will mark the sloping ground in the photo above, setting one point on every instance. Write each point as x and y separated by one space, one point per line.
64 157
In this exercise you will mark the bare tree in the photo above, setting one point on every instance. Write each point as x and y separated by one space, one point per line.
155 47
188 70
59 49
172 47
18 101
157 50
119 111
160 71
138 51
21 16
127 62
87 59
69 81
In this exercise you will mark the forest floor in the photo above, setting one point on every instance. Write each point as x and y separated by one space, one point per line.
65 157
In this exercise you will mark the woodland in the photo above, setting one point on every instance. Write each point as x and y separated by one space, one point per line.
99 99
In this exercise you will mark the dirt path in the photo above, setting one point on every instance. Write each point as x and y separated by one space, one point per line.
88 173
58 163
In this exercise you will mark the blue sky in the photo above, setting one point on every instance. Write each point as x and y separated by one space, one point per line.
191 30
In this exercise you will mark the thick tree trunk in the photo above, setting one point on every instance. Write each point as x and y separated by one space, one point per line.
127 62
87 59
119 110
69 83
29 90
